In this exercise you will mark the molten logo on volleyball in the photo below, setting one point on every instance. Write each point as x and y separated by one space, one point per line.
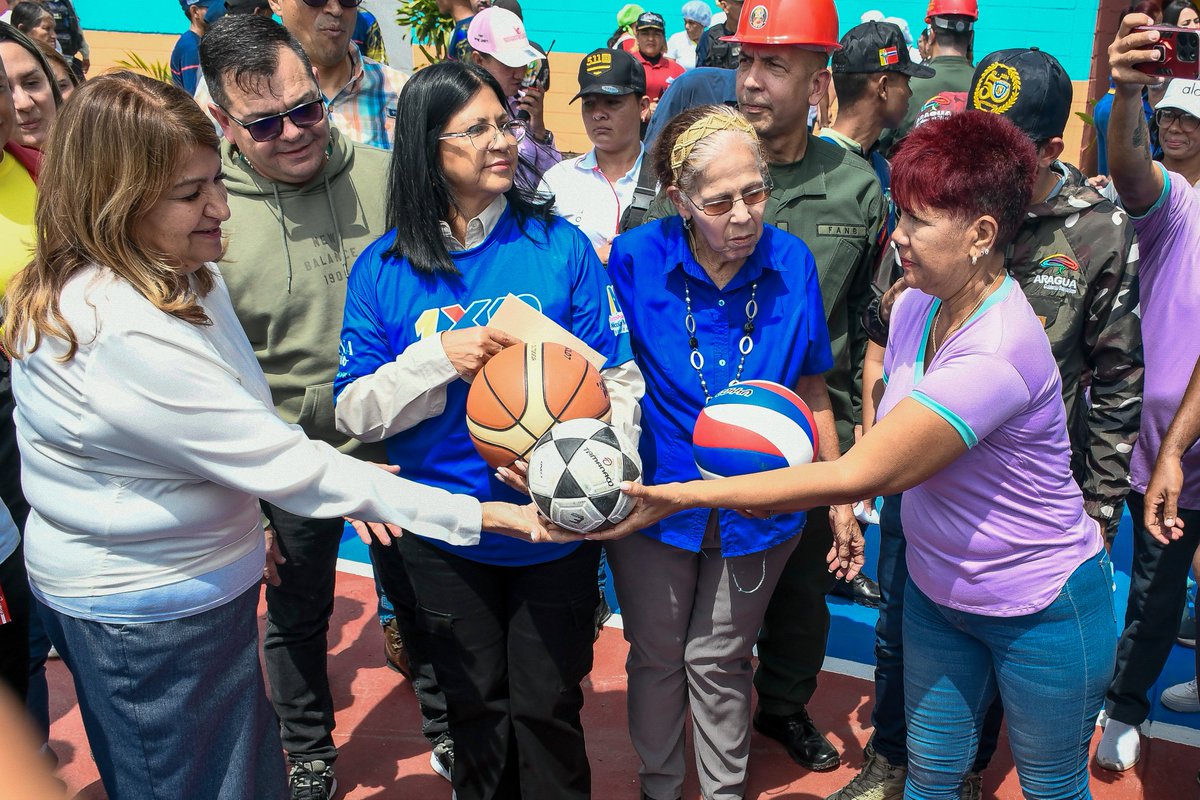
754 426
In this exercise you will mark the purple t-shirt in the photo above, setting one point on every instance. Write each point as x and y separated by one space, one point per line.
1169 271
999 531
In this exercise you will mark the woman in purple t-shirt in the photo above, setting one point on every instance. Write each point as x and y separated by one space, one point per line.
1010 585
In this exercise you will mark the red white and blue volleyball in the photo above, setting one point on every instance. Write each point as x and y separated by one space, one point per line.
753 426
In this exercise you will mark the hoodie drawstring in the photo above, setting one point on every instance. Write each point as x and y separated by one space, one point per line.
336 226
287 253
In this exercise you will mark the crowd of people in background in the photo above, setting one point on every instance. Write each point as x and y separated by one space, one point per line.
230 338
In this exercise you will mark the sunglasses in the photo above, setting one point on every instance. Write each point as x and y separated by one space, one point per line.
342 3
305 115
716 208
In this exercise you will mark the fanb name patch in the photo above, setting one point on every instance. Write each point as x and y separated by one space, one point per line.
841 230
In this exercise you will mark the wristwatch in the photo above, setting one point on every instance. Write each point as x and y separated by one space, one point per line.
873 324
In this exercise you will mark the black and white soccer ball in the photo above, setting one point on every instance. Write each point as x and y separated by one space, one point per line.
575 474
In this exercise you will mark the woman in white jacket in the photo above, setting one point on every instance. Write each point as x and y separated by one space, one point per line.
148 435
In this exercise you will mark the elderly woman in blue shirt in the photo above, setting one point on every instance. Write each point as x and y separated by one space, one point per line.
711 297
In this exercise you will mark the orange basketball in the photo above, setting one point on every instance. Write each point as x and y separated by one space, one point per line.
522 391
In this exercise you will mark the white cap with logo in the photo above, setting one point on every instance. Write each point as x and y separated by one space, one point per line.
500 33
1183 95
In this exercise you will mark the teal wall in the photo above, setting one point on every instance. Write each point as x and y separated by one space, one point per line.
1061 27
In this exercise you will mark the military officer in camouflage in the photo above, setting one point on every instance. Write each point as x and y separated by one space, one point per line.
1076 260
832 200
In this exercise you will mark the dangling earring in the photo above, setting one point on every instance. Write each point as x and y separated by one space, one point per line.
687 224
974 260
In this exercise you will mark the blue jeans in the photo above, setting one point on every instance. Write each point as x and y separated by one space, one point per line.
176 708
890 738
1050 667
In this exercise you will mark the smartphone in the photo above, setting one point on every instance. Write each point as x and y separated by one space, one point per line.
1179 53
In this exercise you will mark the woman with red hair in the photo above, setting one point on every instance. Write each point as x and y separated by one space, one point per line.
1010 584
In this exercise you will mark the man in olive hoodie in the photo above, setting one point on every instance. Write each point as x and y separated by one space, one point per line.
304 202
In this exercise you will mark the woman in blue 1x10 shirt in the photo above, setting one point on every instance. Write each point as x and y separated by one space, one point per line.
509 630
711 296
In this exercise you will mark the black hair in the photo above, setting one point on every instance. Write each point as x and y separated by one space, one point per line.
27 14
1174 9
419 196
616 37
851 86
959 40
246 47
9 33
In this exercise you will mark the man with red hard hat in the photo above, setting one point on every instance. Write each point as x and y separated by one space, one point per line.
832 200
951 37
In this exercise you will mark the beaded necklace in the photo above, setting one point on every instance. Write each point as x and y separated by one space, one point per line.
745 344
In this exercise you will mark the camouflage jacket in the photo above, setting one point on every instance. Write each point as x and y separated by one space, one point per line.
1075 257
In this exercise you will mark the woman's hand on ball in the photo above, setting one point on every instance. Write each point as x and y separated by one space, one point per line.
470 348
519 522
514 476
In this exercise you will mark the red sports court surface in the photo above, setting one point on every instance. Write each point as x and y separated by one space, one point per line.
383 754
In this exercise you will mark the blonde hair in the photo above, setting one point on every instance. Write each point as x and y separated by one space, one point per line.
697 136
113 153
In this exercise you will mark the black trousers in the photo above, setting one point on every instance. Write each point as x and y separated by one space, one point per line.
397 587
510 646
791 645
296 643
14 634
1157 595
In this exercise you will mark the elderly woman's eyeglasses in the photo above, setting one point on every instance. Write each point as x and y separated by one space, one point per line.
751 197
1165 116
483 134
305 115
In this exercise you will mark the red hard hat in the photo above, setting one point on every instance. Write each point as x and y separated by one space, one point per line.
803 22
952 8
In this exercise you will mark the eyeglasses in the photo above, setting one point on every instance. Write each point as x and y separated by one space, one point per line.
483 134
342 3
715 208
305 115
1165 116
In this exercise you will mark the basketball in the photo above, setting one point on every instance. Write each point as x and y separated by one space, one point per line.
524 390
753 426
575 475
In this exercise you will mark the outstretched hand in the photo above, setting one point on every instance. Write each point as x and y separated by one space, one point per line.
382 532
651 504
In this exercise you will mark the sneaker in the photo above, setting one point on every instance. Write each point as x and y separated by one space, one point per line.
1120 746
972 787
312 780
442 757
1182 697
1187 631
393 649
879 779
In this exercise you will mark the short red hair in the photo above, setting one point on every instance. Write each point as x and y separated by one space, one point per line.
967 165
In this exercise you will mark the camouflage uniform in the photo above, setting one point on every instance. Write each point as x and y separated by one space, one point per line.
1076 260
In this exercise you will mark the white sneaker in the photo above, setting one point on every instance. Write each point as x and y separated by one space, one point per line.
1120 747
1182 697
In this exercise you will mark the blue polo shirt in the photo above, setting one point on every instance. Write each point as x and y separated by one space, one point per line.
647 266
390 306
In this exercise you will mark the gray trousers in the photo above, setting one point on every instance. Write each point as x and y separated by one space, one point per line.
691 620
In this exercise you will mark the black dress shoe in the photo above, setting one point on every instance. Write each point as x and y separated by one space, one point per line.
861 590
807 746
